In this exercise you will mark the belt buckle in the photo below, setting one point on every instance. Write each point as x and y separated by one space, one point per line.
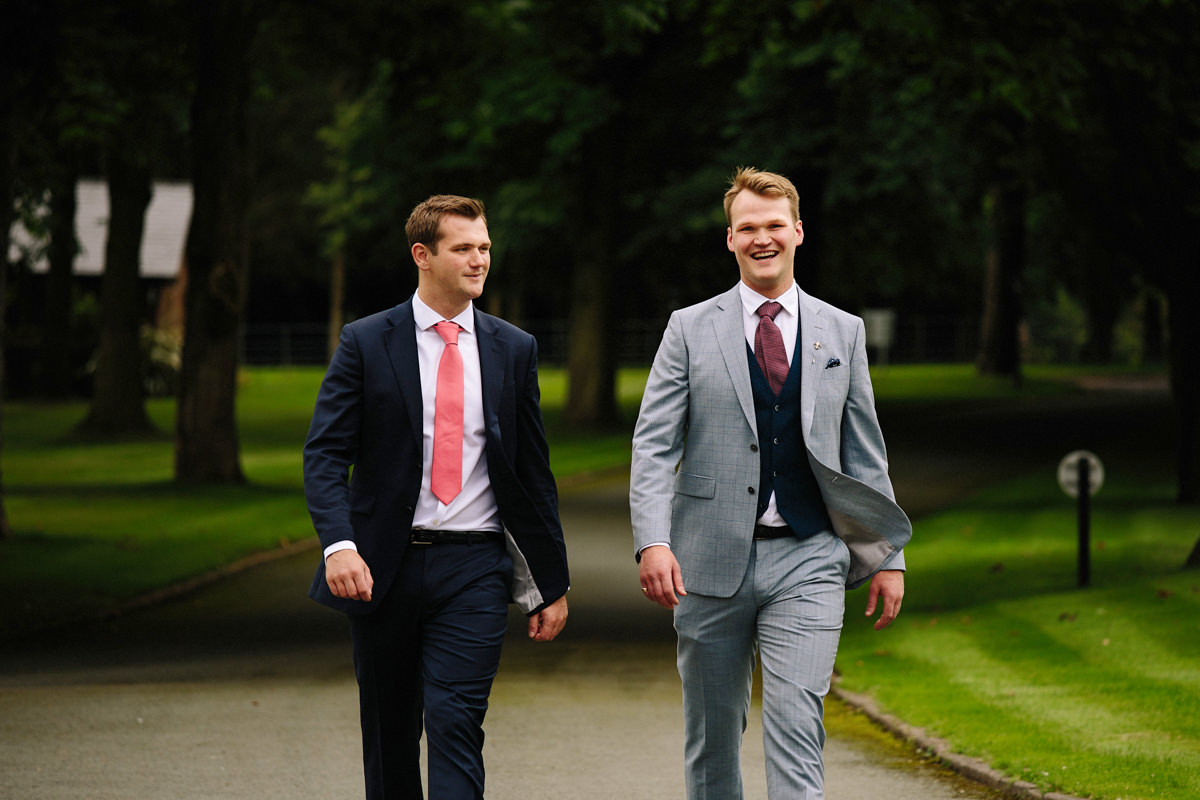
415 538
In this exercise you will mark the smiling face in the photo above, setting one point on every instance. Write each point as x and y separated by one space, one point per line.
763 236
453 270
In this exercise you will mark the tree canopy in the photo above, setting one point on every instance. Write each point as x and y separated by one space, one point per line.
1035 168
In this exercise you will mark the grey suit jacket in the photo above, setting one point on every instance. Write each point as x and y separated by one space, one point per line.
695 471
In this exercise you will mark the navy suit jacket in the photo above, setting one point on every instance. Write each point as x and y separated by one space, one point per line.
362 457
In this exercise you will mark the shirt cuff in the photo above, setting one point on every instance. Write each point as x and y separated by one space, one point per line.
654 544
345 544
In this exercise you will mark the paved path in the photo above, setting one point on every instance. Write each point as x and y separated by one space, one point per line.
245 690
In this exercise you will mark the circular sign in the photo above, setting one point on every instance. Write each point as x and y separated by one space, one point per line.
1068 473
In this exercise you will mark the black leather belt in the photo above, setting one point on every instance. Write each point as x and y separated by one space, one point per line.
773 532
423 536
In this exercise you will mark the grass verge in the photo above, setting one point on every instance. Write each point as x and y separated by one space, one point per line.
1092 691
99 523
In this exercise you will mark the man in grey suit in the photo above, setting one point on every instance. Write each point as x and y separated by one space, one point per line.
760 481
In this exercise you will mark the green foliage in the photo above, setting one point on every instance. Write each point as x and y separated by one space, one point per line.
346 199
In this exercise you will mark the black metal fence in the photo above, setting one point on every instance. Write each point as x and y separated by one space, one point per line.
915 338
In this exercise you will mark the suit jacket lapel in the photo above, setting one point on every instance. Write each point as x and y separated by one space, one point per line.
806 356
400 340
491 370
731 338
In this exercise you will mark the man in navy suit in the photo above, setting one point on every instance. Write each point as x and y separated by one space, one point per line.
426 578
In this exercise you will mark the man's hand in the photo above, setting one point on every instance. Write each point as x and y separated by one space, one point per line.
889 585
348 576
549 622
662 580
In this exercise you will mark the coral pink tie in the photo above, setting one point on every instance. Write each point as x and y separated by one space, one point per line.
768 346
446 481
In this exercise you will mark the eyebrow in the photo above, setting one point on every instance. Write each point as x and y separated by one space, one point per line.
755 223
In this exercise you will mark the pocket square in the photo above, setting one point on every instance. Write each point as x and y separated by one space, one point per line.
833 362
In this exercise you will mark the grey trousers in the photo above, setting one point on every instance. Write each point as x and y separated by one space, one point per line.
789 609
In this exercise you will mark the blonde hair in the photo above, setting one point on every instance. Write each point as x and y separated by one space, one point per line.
767 184
425 220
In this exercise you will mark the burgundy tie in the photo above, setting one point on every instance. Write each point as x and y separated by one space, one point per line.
446 480
768 346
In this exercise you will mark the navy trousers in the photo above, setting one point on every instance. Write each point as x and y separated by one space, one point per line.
426 658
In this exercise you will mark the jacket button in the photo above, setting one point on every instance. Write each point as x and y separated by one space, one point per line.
775 440
750 489
753 448
778 407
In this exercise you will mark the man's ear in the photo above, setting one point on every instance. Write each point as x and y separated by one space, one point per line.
420 255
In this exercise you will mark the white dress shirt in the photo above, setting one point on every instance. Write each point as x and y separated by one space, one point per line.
788 322
474 509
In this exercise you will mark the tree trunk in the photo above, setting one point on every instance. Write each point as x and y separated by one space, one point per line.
337 295
1183 318
1000 350
206 447
55 370
7 175
1153 347
591 368
1103 297
591 339
118 394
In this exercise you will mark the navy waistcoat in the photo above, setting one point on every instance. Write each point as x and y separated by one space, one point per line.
782 455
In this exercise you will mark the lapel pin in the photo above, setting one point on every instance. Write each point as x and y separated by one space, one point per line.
816 345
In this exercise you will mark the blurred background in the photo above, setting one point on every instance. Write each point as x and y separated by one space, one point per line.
195 195
997 183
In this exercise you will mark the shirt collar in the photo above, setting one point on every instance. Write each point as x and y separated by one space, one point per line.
426 317
751 300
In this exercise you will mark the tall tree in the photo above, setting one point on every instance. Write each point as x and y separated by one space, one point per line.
583 145
1000 346
1130 169
134 105
118 407
207 448
8 103
346 198
28 30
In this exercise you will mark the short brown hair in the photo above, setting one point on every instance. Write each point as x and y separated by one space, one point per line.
426 218
767 184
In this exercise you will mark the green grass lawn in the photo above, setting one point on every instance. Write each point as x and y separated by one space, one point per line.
1095 691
